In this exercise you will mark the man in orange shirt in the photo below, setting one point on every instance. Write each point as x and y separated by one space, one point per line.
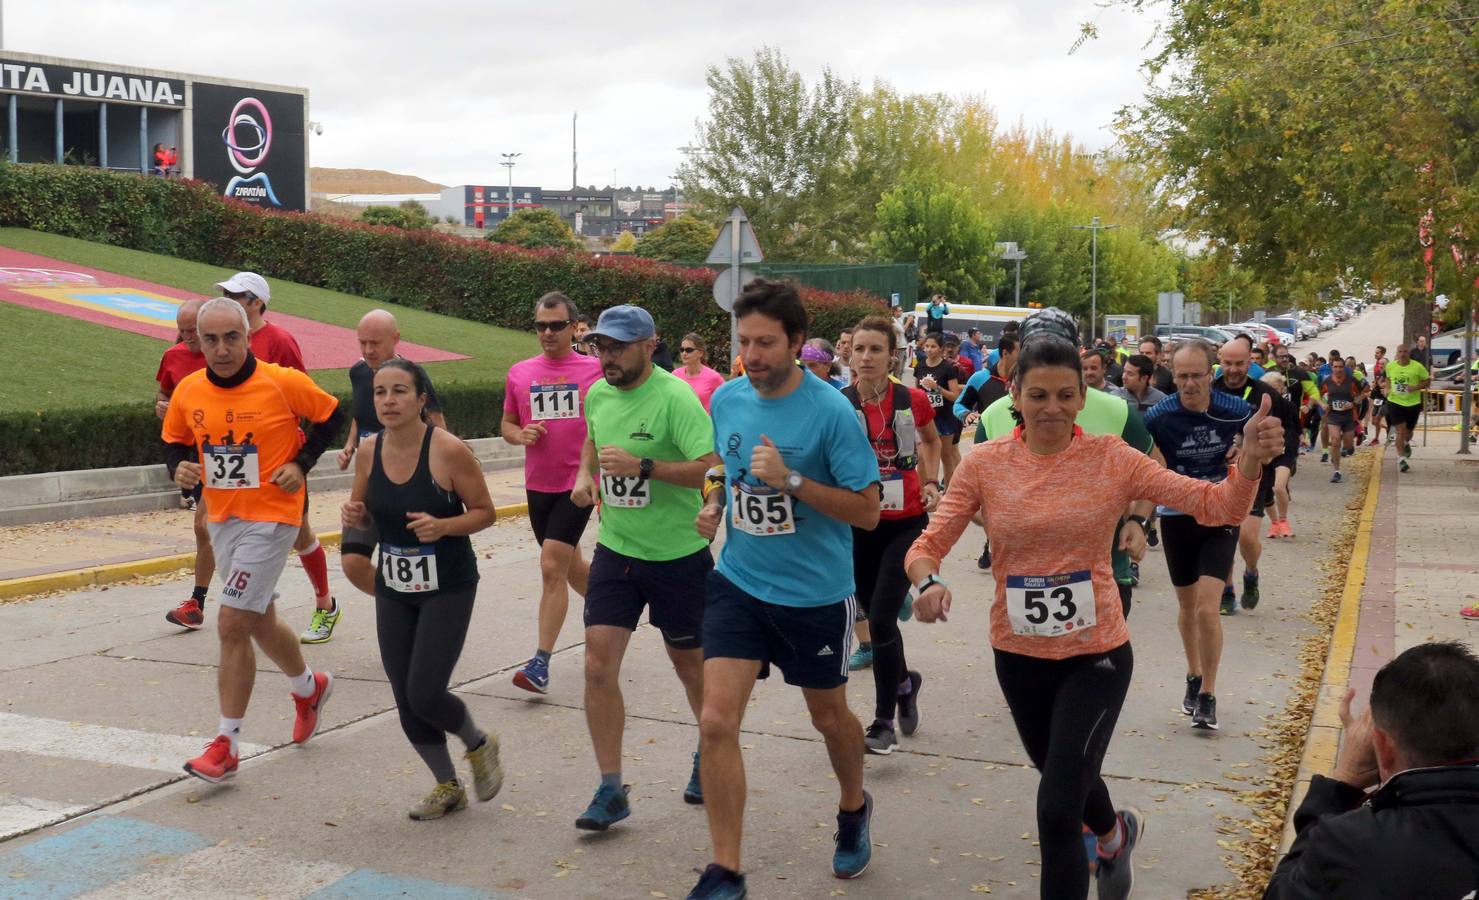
234 426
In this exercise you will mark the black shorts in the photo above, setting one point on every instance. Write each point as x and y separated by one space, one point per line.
1194 550
1265 494
1288 461
810 644
672 591
553 516
1345 423
1404 415
947 425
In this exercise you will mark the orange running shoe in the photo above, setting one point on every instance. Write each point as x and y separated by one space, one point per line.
216 764
1275 530
187 615
1470 612
1288 529
306 724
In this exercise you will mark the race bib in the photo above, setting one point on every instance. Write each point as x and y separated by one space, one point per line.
762 511
1050 605
625 492
554 401
1403 387
1340 405
409 570
893 491
231 467
937 399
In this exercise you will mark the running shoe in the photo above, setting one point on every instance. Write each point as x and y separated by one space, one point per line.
321 626
694 793
1407 453
1193 687
1249 599
862 658
1275 531
718 883
487 771
1288 529
449 796
1325 456
187 501
1091 848
1134 574
608 807
984 563
854 841
1229 601
1470 612
1403 465
187 615
880 739
1347 451
1153 537
309 708
1206 714
1115 879
217 763
906 612
1335 479
534 676
909 704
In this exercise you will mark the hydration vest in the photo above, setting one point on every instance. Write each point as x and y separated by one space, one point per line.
906 433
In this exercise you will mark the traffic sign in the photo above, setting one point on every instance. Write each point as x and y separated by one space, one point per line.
726 252
728 284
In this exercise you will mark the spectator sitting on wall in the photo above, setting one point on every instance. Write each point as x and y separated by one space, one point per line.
1417 834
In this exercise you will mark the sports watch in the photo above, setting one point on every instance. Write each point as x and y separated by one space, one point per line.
793 482
644 467
929 581
1143 522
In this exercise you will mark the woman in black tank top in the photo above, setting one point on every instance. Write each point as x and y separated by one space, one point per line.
425 492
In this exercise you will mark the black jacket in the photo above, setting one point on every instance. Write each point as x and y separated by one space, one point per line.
1416 837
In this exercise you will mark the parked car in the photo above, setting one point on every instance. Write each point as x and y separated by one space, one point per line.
1186 332
1262 331
1285 325
1447 349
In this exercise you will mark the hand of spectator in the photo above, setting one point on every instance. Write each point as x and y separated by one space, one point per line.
1356 764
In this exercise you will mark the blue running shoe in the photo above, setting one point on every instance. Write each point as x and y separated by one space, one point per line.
854 841
906 612
862 658
534 676
718 883
608 807
694 793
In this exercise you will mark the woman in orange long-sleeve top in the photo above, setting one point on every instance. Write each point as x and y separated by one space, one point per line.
1051 497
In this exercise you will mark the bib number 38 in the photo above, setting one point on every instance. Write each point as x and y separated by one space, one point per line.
762 511
409 570
1050 605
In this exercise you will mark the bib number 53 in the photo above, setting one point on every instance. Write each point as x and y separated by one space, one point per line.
1050 605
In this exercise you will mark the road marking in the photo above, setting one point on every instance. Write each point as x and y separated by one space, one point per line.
102 743
19 814
93 856
230 868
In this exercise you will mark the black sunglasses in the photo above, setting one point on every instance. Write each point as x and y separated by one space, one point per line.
687 349
552 326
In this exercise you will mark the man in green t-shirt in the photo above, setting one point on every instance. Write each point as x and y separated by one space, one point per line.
1406 380
649 443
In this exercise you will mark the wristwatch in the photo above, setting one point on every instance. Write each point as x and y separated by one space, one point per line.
1143 522
793 482
927 582
644 467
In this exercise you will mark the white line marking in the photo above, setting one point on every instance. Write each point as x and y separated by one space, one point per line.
102 743
232 869
18 814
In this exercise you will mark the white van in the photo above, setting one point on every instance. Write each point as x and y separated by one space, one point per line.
963 317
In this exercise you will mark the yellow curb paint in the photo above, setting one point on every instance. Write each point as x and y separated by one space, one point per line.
91 576
1322 744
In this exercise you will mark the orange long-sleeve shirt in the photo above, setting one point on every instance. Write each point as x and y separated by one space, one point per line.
1049 517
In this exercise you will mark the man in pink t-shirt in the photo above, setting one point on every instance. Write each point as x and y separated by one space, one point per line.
544 412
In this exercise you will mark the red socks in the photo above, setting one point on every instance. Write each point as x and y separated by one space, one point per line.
316 564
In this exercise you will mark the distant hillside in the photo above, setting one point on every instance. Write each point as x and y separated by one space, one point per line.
367 181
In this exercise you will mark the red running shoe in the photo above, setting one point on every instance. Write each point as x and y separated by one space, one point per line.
306 724
216 764
187 615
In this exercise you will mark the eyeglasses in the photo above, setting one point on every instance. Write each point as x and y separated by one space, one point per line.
609 348
1191 376
687 349
552 326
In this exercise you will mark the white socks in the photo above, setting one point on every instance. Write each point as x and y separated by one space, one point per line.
232 729
303 685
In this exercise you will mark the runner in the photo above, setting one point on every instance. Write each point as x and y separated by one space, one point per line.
1197 430
1093 366
797 472
990 385
252 479
1061 647
378 336
1341 395
844 354
424 491
694 354
1408 379
939 378
1291 383
1378 418
1137 388
178 361
1151 347
650 444
899 423
544 412
273 344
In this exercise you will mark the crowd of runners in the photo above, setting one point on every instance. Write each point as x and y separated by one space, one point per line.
837 488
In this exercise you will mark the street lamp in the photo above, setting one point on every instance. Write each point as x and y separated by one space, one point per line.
508 161
1010 252
1094 227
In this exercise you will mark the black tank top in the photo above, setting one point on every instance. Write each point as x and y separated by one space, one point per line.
411 567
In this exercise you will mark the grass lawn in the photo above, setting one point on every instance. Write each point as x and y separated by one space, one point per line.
50 362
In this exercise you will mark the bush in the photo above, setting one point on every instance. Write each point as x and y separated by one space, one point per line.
684 239
409 214
535 229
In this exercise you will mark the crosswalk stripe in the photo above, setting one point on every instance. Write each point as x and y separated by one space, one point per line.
227 868
102 743
19 814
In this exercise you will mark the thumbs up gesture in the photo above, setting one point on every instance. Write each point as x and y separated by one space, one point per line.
767 465
1263 435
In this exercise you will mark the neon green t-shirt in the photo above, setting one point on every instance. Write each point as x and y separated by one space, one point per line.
1406 382
662 420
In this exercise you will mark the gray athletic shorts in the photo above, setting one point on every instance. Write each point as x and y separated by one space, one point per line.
250 557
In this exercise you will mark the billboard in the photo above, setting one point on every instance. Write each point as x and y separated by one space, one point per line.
250 143
107 86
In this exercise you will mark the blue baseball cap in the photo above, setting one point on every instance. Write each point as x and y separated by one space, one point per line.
625 323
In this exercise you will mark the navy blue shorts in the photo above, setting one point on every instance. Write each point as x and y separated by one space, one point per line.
810 644
672 591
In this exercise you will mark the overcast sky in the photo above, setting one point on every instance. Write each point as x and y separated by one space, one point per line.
439 89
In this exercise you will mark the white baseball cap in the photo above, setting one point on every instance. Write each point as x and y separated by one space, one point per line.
248 283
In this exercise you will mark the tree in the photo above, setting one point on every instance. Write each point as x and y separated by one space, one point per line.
536 228
409 215
626 242
684 239
927 220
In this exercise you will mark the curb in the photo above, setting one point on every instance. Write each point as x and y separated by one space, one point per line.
92 576
1323 741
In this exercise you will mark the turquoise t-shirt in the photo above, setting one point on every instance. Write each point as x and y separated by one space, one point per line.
662 420
817 431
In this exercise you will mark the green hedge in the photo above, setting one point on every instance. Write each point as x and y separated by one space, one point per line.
128 434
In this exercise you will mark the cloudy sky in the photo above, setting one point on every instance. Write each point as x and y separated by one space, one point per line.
438 88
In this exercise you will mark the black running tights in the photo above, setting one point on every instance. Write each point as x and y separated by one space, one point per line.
878 569
420 641
1065 711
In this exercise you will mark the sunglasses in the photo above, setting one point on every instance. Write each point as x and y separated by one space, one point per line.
687 349
552 326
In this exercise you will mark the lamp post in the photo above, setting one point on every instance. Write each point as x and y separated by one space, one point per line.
1010 251
1095 227
508 162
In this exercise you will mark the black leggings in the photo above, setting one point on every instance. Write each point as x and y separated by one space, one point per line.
882 583
420 641
1065 711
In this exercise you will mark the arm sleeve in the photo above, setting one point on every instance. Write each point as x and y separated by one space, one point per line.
1224 503
174 454
961 501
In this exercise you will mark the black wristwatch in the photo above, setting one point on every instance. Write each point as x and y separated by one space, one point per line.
644 467
1143 522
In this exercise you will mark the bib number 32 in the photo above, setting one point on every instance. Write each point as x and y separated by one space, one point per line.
230 467
1050 605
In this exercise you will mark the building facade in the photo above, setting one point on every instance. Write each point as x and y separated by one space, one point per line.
590 212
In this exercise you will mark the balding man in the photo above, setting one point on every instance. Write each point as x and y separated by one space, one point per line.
378 337
178 361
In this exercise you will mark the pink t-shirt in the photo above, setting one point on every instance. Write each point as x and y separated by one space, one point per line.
705 383
552 392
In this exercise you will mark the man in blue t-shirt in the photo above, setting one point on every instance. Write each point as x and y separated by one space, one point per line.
797 474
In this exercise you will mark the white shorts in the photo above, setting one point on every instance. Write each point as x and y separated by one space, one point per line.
250 557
